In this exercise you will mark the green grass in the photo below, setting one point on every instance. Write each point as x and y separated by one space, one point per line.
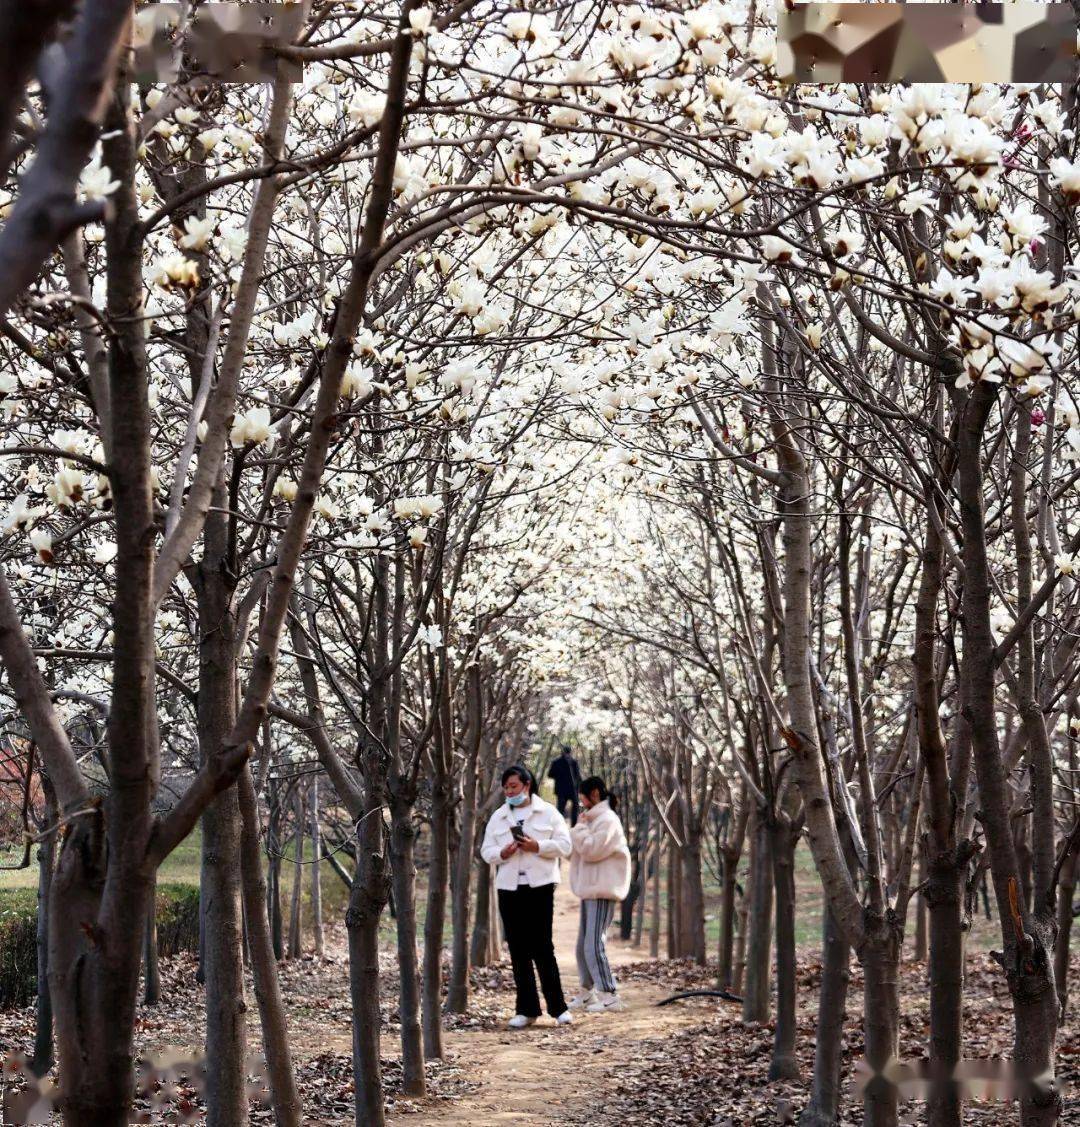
181 867
809 909
16 878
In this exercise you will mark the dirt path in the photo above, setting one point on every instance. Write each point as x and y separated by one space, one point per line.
548 1074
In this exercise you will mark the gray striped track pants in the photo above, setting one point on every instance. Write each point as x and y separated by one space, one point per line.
594 970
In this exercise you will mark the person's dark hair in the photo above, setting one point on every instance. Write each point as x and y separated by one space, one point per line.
595 783
567 748
521 772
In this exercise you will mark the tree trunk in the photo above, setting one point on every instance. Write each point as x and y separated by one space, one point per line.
1066 891
825 1096
403 874
941 865
44 1056
1023 856
759 924
200 967
944 903
783 838
363 974
284 1095
742 919
921 951
316 869
693 900
675 913
363 929
626 908
226 1009
94 1005
296 921
151 970
881 1023
435 921
654 907
480 943
366 903
273 875
1027 939
643 894
729 860
495 935
457 1000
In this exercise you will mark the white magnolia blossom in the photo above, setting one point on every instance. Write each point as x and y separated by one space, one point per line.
251 427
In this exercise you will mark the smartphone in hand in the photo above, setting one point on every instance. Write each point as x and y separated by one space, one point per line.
517 832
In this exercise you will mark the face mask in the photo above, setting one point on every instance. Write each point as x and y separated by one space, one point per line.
516 800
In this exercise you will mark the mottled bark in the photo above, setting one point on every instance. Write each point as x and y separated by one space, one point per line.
784 838
478 949
366 903
644 882
880 957
921 949
826 1094
151 970
730 855
1066 892
226 1008
943 859
944 900
435 919
316 869
296 921
44 1056
103 880
693 903
457 1000
284 1096
403 872
756 997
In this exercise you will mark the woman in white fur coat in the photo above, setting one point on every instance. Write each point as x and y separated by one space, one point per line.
600 878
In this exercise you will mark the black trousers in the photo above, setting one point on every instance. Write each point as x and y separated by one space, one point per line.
526 918
560 804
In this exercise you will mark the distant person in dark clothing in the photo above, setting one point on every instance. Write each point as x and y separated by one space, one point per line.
567 775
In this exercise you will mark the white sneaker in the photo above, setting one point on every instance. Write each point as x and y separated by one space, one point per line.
565 1018
520 1021
582 1000
605 1003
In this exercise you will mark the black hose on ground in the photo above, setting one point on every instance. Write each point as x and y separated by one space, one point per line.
725 994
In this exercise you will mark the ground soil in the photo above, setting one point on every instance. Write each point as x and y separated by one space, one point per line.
548 1074
691 1064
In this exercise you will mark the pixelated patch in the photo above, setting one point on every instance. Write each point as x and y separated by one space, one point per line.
215 42
989 1080
169 1087
1017 42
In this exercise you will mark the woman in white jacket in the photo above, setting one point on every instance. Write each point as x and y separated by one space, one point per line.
600 877
527 838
